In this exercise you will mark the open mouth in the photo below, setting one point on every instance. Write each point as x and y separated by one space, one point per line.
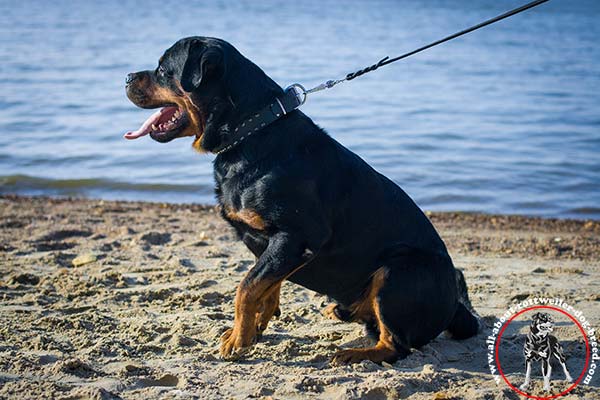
163 126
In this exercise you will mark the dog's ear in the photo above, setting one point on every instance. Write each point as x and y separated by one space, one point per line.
536 316
202 66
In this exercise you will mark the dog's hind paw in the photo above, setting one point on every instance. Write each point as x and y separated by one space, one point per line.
348 357
329 312
338 313
377 355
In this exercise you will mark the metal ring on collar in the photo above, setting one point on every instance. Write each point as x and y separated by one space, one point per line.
299 92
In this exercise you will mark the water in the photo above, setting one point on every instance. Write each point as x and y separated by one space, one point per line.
504 120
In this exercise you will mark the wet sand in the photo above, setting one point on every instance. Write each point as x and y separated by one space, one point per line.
104 299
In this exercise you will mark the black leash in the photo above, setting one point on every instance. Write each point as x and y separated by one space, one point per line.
386 60
295 94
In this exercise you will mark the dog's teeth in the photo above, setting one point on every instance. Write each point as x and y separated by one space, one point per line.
154 127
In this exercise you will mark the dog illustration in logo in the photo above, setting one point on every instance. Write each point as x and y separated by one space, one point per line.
542 346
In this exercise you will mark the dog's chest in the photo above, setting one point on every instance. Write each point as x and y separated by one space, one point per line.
538 344
239 197
247 217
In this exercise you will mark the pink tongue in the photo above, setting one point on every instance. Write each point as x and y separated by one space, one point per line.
145 128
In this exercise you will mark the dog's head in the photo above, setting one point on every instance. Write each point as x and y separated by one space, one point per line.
199 84
542 324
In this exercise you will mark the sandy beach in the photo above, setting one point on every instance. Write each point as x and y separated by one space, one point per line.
103 300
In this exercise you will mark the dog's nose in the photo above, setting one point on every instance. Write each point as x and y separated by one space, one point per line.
130 78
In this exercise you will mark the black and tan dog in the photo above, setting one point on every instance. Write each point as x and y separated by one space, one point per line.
542 346
310 210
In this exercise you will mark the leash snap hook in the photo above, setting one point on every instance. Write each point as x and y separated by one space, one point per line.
299 92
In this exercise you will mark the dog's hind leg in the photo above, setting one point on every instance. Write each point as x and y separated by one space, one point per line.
525 384
546 372
410 301
340 313
419 299
567 375
368 310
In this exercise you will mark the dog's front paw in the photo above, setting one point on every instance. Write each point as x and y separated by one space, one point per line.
262 321
264 316
524 386
234 345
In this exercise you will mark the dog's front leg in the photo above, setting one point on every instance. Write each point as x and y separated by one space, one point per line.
558 353
284 255
525 384
567 375
268 309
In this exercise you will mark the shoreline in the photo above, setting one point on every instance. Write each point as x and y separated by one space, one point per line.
78 198
186 193
484 222
101 299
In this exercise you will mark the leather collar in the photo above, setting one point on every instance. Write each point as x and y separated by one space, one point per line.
279 107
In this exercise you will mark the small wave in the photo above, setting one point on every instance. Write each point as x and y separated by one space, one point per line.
26 181
453 199
105 188
587 211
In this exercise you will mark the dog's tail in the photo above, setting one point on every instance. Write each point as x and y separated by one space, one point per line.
466 321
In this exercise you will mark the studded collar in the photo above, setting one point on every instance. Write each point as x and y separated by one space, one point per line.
257 121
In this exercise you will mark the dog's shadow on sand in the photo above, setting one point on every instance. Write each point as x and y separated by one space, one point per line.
443 356
467 359
299 351
469 356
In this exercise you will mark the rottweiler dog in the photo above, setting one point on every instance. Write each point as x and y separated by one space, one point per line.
541 346
309 209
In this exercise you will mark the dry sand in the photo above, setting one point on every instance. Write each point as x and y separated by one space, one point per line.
141 314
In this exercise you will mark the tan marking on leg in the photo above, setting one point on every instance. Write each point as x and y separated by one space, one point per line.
236 340
367 309
248 300
364 309
268 308
248 217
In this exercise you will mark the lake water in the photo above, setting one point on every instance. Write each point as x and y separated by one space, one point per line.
503 120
